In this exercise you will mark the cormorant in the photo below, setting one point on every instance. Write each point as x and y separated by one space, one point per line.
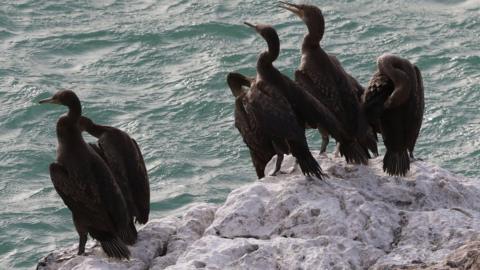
260 146
125 160
324 77
394 103
86 184
282 109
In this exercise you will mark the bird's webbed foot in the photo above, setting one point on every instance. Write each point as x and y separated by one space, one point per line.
323 154
275 173
413 159
278 167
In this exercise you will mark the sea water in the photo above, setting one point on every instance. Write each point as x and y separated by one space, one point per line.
157 69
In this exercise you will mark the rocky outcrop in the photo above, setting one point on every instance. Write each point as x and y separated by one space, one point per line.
359 218
466 257
159 244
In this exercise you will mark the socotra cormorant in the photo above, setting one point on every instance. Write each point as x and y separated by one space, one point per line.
271 88
86 185
125 160
394 103
324 77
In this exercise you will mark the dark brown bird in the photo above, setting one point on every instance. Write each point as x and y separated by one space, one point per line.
324 77
279 110
125 160
394 103
259 144
264 116
87 186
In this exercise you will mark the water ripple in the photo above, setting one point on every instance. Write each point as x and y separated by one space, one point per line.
157 70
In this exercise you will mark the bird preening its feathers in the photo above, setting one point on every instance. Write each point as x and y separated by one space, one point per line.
394 102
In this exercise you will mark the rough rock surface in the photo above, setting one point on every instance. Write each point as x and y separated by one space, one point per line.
159 244
359 218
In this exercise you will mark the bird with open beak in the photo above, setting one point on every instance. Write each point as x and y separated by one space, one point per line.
324 77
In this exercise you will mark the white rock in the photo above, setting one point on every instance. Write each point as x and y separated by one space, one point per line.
323 252
157 241
359 218
189 229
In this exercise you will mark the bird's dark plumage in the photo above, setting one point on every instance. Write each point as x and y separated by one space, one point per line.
284 109
394 102
86 185
323 76
125 160
259 144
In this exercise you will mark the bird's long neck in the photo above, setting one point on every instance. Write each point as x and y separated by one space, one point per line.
95 130
266 58
315 34
403 75
396 75
68 132
67 126
74 110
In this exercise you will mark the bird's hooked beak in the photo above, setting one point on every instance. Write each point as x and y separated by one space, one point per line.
251 25
51 100
295 9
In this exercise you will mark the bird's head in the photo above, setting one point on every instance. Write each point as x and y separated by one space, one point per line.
63 97
266 31
311 15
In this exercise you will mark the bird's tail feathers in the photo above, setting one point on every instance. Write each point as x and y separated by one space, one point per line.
115 248
396 163
129 234
354 152
308 164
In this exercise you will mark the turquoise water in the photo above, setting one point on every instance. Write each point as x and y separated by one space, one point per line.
156 69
